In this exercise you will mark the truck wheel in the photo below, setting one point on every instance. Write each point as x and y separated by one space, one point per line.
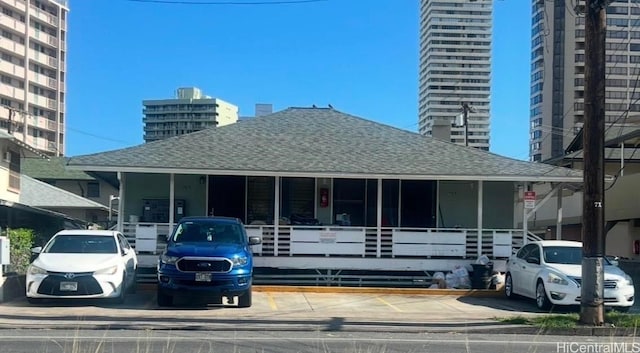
164 299
244 300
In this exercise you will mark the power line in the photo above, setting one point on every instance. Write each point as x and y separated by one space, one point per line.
193 2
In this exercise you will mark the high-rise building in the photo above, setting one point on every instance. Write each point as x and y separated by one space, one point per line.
33 50
188 112
557 72
455 68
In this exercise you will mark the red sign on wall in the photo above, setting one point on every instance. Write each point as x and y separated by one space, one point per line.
529 199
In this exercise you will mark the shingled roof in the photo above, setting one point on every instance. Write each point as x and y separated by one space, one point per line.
318 142
40 194
53 168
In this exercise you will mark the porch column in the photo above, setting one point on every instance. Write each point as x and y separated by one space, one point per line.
559 219
172 195
622 159
480 197
525 217
121 192
379 220
276 216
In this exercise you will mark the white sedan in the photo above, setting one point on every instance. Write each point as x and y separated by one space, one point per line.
550 271
83 264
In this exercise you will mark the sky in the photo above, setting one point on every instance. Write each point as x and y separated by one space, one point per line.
360 56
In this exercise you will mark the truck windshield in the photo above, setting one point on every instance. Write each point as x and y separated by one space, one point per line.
208 232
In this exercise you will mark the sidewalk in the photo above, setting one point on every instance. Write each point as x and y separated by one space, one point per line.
295 309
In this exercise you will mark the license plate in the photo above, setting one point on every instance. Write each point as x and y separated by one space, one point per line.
69 286
203 277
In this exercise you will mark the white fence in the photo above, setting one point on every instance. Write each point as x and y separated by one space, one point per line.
364 242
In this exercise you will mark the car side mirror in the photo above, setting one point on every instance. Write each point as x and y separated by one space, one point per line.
125 252
254 240
533 260
36 250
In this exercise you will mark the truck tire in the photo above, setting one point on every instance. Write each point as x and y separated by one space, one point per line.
164 299
244 300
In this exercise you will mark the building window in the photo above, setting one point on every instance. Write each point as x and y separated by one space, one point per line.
14 170
93 189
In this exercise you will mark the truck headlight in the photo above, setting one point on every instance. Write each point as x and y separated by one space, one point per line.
240 260
169 260
628 279
35 270
553 278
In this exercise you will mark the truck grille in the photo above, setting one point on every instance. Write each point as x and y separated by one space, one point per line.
204 265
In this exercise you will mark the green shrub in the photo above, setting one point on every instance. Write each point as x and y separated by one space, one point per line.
21 241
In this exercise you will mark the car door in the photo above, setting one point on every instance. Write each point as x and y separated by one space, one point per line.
530 268
515 268
129 259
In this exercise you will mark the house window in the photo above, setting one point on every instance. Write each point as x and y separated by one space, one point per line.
93 189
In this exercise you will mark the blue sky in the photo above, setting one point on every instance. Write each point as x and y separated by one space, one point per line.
360 56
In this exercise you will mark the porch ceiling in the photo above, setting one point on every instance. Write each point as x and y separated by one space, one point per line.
318 142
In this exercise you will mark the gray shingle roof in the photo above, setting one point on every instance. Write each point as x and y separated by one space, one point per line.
54 168
36 193
320 141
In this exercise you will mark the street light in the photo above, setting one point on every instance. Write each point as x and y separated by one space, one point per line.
111 199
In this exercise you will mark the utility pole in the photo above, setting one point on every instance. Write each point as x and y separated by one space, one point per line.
593 242
465 116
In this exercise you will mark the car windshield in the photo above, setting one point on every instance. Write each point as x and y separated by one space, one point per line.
82 244
567 255
208 232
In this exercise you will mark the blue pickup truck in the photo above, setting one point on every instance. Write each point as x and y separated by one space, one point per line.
208 258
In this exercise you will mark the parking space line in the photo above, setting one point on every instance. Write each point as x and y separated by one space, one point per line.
272 302
389 304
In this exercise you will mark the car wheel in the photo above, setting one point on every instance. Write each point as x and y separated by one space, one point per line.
164 299
133 287
508 286
542 301
244 300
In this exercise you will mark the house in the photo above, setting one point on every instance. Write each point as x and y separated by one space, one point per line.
89 189
13 212
621 201
330 192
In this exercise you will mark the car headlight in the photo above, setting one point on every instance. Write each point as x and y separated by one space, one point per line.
169 260
107 271
35 270
553 278
240 260
628 279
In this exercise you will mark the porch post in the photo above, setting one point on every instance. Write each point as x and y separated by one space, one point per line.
559 219
171 200
276 215
480 198
525 218
121 179
379 220
622 159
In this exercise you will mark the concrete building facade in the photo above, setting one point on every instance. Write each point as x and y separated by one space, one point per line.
188 112
455 68
557 72
33 50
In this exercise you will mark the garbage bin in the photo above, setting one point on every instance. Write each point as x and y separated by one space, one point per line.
481 276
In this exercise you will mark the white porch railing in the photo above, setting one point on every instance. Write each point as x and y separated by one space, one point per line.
364 242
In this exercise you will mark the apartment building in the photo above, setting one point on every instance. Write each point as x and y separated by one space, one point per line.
33 37
455 69
189 111
557 72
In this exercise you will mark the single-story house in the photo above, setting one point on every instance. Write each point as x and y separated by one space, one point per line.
330 192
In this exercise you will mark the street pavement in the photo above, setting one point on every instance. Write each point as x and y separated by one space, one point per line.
288 308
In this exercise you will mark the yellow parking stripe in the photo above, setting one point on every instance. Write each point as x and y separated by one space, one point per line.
389 304
272 302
